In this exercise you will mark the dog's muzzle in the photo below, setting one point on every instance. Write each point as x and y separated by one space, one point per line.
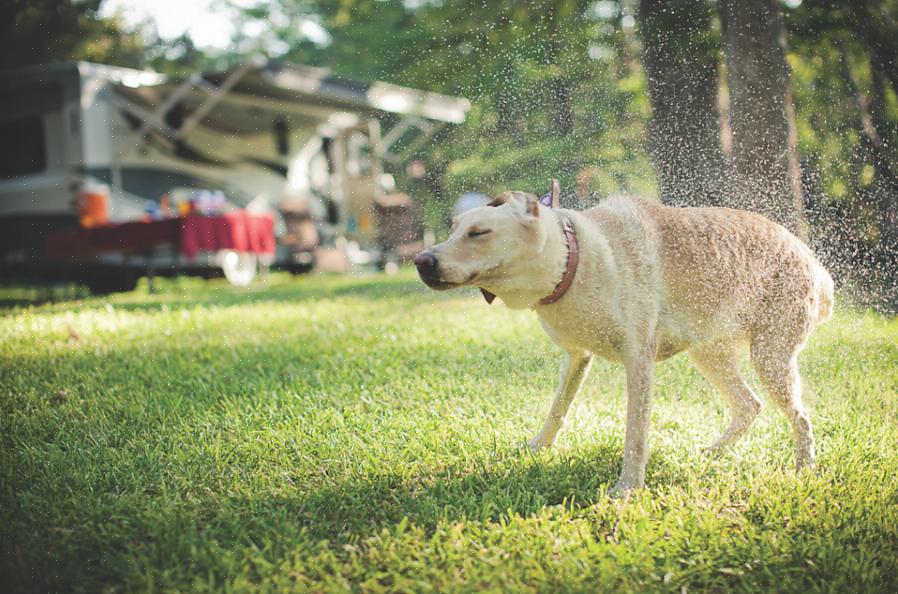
429 270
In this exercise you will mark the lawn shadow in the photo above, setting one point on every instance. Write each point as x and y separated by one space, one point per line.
522 486
343 517
519 484
192 293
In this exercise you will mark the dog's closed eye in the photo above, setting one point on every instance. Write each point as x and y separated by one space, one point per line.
478 232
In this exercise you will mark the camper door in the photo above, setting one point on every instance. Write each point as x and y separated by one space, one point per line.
34 139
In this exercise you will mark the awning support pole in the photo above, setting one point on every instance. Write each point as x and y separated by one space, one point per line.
215 95
156 119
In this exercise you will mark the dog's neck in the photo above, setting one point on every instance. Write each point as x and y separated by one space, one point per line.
525 284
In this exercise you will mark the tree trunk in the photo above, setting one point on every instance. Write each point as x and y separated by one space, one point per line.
887 192
881 36
766 175
680 60
558 13
508 100
563 106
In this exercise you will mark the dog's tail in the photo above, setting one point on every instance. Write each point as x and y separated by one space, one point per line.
823 288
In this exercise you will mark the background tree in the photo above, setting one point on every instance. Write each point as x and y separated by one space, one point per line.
41 31
557 90
848 124
565 89
766 175
681 56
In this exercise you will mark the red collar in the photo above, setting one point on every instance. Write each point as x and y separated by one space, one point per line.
570 269
573 259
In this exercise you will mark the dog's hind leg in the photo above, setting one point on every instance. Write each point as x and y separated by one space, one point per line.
574 370
719 364
776 361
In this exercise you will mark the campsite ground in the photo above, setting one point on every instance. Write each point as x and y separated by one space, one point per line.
336 433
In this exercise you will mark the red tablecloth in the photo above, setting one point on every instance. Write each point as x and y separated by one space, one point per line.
236 230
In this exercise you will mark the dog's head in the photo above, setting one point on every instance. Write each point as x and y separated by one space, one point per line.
486 245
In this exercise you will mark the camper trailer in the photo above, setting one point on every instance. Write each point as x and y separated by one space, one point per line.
89 149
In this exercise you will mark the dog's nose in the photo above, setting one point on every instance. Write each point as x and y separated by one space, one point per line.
426 261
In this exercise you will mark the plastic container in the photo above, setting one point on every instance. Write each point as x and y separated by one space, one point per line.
92 203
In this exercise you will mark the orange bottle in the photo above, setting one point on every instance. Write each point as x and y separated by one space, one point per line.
93 205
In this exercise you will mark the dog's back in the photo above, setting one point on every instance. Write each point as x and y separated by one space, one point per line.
730 269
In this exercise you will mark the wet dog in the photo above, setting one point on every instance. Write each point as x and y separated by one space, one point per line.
637 282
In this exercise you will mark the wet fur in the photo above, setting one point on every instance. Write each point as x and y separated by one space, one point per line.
654 281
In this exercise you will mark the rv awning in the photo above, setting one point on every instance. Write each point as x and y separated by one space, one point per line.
317 86
241 96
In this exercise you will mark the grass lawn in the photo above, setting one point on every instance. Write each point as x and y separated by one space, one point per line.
340 433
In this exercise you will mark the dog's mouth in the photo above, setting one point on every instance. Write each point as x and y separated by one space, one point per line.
436 282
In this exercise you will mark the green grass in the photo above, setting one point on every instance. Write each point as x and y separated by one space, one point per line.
333 434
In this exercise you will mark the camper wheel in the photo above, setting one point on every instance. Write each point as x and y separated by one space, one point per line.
105 282
238 267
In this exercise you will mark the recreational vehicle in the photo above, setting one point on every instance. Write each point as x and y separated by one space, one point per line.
88 149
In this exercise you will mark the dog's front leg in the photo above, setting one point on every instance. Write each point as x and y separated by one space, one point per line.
640 373
574 370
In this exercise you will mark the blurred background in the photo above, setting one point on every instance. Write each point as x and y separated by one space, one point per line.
414 109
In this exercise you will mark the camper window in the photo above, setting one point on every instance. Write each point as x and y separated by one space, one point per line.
23 149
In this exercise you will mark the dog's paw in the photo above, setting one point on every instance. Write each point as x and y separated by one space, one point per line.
807 463
623 489
710 450
537 443
715 452
620 491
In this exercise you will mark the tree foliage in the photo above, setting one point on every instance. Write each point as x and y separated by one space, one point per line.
41 31
562 89
845 60
556 90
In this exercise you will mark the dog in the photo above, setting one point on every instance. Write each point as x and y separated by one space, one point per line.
636 282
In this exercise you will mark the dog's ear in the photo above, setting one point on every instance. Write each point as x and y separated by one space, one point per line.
550 199
528 202
500 199
531 205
